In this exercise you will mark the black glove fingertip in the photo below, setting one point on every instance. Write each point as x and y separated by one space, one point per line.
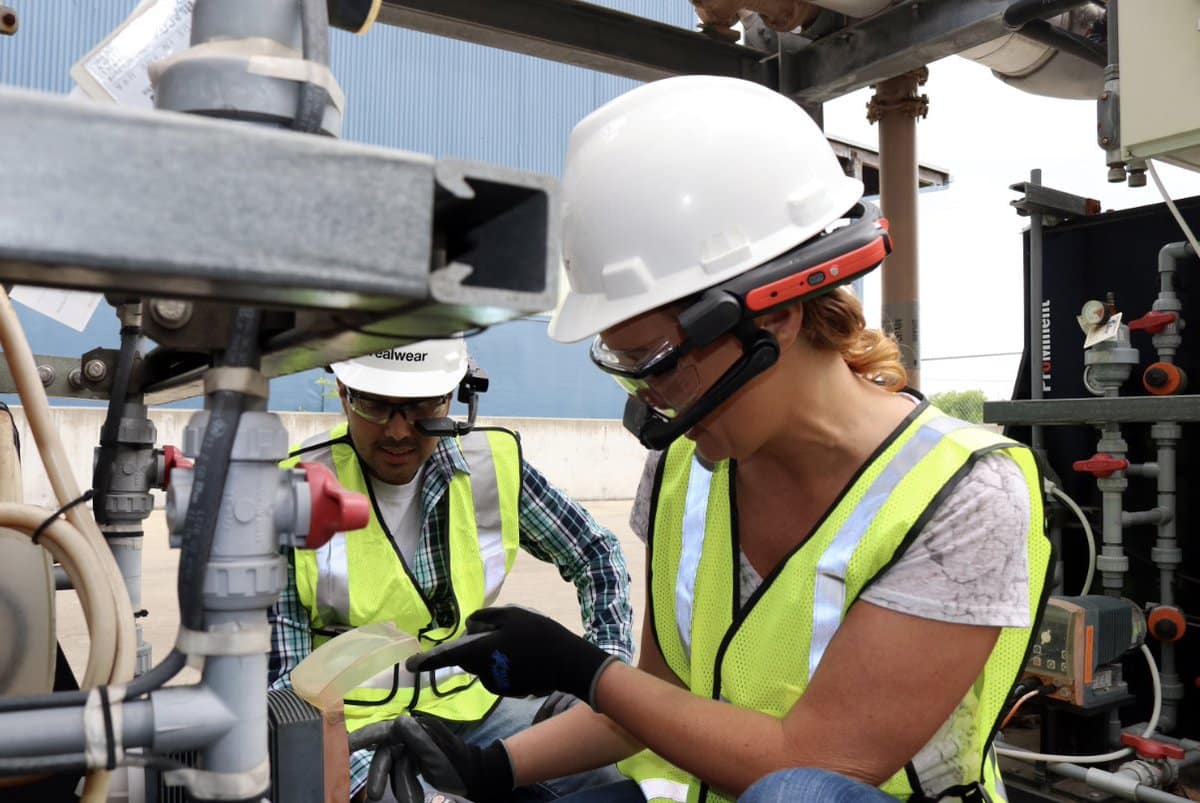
405 785
379 773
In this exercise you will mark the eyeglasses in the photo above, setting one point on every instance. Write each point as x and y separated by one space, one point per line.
380 411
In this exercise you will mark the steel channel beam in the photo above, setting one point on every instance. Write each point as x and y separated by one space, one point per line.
113 199
1121 410
906 36
582 34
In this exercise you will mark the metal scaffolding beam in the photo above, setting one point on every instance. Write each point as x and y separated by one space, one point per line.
903 38
585 35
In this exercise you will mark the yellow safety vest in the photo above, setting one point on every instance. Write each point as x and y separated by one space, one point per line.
359 578
748 657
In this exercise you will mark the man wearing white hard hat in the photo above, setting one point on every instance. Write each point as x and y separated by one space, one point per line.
451 505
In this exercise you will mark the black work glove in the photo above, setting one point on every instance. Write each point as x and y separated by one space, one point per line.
406 746
556 703
518 653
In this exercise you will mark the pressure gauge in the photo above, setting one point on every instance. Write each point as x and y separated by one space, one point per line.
1093 313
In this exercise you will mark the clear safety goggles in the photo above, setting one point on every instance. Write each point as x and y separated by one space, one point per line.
653 374
380 411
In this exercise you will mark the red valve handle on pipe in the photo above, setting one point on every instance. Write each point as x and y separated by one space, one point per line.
1101 465
334 509
1149 748
172 458
1152 322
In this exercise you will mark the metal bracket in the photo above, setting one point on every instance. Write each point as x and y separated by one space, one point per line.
1057 206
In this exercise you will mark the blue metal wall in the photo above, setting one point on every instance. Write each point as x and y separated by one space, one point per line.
404 90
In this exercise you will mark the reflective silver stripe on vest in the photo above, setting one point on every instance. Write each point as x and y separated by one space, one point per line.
333 579
663 789
695 516
829 592
485 494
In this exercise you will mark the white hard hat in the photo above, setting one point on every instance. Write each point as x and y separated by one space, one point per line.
681 184
419 370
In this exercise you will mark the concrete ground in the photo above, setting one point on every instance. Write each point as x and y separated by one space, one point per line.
532 583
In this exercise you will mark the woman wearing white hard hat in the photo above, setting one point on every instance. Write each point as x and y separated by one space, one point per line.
842 579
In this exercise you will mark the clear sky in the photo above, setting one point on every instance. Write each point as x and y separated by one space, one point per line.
989 135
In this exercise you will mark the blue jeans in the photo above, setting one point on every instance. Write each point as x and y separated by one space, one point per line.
785 786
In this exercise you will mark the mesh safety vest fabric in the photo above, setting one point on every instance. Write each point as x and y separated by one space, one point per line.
762 655
359 577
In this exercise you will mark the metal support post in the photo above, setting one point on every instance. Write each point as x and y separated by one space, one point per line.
1037 376
896 107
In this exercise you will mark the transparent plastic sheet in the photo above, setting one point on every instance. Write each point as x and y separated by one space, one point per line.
344 663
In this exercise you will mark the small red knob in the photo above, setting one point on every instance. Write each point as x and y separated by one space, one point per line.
1152 322
172 458
1149 748
334 509
1100 465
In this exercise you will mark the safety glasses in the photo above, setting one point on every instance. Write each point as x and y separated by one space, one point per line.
380 411
652 373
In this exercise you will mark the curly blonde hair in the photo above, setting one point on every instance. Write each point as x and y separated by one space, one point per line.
835 321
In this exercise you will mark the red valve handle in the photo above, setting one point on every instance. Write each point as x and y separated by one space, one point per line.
1100 465
334 509
172 458
1149 748
1152 322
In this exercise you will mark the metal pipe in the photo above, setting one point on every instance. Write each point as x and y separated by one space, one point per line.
1022 12
896 107
1065 41
1121 786
1036 322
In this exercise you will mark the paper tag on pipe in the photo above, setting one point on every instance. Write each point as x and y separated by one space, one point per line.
71 307
1104 331
115 70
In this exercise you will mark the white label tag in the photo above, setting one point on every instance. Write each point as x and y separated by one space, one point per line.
1102 332
71 307
116 69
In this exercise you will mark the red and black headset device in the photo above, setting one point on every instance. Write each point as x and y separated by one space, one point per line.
812 269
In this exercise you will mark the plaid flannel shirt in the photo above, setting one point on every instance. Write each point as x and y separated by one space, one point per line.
553 528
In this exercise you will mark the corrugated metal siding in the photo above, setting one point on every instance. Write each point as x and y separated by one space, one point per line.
404 90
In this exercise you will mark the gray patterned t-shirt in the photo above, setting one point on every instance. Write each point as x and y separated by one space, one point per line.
968 565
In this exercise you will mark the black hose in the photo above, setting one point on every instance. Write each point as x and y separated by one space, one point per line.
111 429
43 765
1067 42
208 475
314 34
1024 11
145 683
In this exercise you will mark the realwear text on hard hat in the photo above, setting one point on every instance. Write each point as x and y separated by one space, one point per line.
402 356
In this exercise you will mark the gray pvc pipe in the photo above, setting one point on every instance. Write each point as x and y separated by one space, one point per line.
50 731
174 719
1119 785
